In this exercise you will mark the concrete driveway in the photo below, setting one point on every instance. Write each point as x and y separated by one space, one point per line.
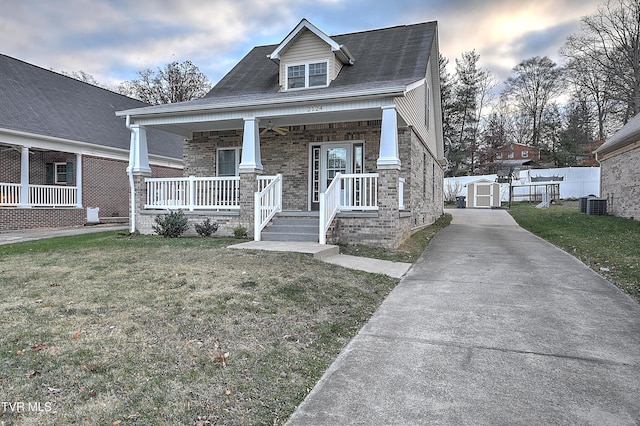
492 326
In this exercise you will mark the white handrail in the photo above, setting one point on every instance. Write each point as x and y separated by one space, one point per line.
267 203
329 206
215 193
401 193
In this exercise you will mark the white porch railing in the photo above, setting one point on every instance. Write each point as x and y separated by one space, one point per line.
39 195
263 181
359 191
53 196
191 193
267 202
9 194
348 192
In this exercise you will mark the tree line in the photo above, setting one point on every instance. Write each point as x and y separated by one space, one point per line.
563 111
175 82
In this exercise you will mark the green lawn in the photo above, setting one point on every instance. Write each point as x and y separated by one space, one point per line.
608 244
111 329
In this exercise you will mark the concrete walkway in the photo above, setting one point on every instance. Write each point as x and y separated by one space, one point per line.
12 237
330 254
492 326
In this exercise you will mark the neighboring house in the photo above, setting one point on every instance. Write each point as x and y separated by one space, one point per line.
619 159
345 131
62 149
517 154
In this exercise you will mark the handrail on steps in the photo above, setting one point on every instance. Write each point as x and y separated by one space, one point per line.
267 203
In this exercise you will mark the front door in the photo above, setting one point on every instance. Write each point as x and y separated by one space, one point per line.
326 162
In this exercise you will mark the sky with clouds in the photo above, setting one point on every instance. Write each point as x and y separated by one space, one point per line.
113 39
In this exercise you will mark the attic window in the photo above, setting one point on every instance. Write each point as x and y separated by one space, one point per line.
301 76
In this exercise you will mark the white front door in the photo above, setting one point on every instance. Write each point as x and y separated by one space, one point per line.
327 161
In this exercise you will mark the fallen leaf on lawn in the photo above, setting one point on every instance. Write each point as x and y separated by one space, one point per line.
39 347
35 373
228 391
20 352
76 335
116 423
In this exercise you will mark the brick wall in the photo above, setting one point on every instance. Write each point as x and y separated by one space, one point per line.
619 177
226 222
12 219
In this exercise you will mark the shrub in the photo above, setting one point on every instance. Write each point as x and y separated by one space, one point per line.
171 225
206 229
240 232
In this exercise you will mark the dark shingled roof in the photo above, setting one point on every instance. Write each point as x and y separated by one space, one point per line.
384 57
35 100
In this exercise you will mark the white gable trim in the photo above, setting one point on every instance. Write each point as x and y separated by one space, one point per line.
341 51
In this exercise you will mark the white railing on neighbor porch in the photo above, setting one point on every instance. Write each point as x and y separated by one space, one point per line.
53 196
347 192
193 193
39 195
9 194
267 202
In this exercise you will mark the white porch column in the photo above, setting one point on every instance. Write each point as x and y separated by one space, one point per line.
251 160
138 153
79 181
24 178
389 157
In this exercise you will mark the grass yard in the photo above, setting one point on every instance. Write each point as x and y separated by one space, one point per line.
116 330
609 245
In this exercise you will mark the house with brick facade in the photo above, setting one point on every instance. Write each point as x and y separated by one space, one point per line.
322 138
517 154
63 149
619 159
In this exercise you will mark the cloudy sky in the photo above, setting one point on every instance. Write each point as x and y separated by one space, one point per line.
113 39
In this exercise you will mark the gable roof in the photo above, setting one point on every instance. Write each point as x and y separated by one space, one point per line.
386 57
42 102
629 133
340 50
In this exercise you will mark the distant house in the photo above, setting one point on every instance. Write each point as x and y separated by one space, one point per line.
62 149
517 154
342 134
619 159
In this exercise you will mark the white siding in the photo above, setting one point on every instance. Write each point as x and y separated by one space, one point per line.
411 108
308 47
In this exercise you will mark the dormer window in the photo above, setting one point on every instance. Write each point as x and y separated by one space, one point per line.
301 76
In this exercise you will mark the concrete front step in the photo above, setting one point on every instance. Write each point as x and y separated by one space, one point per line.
292 227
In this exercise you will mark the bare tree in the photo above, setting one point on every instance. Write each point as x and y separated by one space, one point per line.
534 83
176 82
609 44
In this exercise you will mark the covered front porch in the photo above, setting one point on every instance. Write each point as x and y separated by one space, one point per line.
339 160
39 188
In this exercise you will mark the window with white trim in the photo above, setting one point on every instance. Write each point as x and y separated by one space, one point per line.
60 173
228 161
302 76
525 154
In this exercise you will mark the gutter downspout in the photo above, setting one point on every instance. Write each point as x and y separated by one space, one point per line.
132 218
